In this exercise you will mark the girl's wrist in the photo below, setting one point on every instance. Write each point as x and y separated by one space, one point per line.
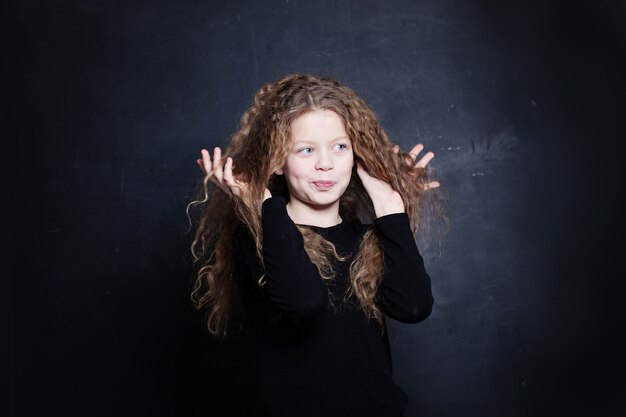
388 208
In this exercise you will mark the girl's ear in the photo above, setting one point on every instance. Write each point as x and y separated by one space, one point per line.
279 171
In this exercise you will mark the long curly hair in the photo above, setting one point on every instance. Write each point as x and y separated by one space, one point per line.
259 148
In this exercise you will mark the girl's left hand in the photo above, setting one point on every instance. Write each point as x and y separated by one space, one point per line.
384 198
418 166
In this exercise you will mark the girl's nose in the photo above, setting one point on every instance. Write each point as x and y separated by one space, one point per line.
324 163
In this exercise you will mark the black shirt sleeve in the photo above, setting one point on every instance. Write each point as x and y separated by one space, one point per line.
405 291
293 282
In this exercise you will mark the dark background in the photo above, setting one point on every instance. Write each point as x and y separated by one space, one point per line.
110 102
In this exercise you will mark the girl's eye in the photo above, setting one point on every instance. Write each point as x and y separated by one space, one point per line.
342 146
306 150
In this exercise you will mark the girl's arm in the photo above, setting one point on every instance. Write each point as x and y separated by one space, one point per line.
293 283
405 292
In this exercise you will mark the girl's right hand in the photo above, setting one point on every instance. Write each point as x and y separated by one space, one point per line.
222 175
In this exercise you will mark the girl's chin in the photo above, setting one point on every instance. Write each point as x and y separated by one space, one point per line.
323 201
316 200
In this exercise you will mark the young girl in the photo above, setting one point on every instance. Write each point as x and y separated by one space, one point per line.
307 237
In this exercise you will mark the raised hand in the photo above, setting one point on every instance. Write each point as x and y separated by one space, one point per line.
384 198
417 166
222 174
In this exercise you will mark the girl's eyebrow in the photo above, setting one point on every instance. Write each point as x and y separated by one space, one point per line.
313 140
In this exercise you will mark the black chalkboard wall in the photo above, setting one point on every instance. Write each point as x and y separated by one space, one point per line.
521 104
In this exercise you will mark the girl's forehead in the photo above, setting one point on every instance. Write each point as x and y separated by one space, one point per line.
314 139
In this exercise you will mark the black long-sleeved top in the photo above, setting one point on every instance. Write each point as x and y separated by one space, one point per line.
317 354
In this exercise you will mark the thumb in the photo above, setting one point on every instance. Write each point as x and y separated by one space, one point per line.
361 170
362 173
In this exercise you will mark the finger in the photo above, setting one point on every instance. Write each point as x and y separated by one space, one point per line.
416 150
364 173
205 165
425 160
361 172
218 171
217 156
230 185
431 185
396 149
365 170
228 173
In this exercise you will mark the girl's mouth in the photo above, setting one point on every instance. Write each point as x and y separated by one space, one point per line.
324 185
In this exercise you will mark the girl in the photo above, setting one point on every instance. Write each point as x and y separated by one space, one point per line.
307 237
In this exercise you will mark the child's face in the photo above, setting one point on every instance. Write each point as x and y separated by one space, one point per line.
319 166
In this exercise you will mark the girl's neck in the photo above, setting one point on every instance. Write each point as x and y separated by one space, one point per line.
321 216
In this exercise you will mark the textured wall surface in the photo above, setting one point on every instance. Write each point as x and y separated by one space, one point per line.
520 103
